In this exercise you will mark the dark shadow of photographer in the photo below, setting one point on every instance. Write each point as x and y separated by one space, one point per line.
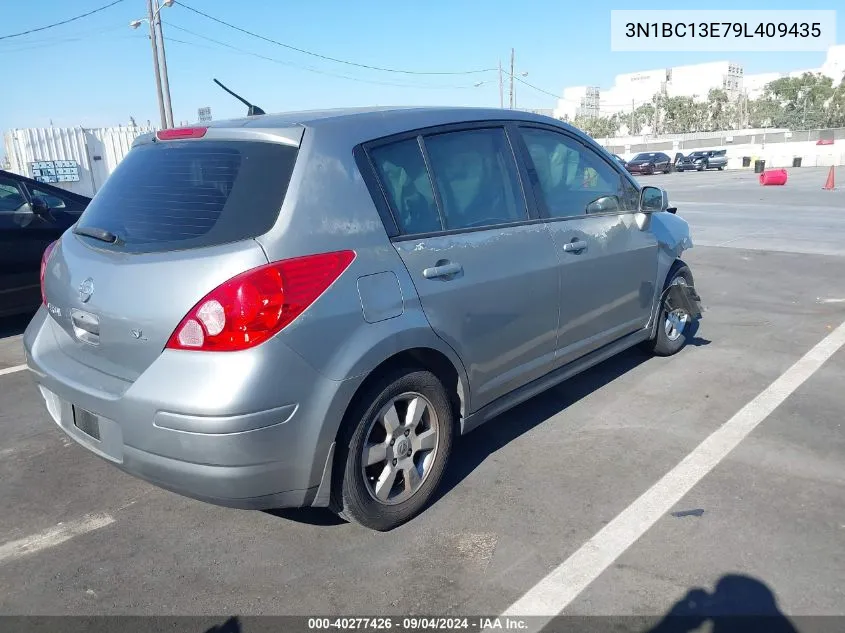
739 604
232 625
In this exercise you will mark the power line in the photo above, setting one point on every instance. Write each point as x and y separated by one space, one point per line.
292 65
50 26
332 59
27 45
551 94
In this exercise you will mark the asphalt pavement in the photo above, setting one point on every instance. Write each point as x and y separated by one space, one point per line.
525 492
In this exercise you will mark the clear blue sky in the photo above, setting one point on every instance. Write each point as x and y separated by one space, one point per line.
98 72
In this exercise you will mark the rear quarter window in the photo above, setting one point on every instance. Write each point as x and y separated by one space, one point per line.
192 194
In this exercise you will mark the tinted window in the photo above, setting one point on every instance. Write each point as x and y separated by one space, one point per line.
476 177
53 201
11 198
402 171
574 179
190 194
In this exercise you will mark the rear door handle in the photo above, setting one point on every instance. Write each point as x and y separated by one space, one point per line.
575 246
443 270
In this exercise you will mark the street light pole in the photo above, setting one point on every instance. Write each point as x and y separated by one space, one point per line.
511 95
165 79
151 18
501 87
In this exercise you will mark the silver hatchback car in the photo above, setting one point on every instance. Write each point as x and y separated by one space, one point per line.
306 309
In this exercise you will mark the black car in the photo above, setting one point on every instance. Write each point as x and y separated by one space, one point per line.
649 163
32 216
619 159
703 160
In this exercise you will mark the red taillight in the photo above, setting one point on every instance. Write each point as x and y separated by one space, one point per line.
45 258
181 132
255 305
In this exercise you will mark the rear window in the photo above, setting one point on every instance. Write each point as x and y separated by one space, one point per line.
190 194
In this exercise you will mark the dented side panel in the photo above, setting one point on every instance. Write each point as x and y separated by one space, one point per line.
673 238
672 233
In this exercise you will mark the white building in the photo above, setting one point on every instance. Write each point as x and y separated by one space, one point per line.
578 100
833 67
755 84
632 90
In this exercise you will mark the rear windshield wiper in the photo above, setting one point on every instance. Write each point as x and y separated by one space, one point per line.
98 234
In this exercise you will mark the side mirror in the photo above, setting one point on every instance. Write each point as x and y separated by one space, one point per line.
653 199
39 206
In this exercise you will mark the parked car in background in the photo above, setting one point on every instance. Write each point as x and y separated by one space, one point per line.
649 163
703 160
430 269
32 215
619 159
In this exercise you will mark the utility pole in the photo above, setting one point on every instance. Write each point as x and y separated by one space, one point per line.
168 108
511 96
656 102
804 116
153 37
633 107
501 87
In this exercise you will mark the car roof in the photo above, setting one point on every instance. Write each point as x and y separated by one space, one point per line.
382 117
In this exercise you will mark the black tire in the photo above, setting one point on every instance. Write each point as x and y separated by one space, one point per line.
702 166
351 495
662 344
721 168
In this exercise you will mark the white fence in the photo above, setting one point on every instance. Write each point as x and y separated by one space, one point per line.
96 151
775 154
642 139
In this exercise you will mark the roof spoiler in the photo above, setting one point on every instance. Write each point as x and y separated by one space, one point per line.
253 110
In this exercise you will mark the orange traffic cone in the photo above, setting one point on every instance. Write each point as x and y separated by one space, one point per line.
829 184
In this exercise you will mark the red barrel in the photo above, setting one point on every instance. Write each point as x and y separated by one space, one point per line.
773 177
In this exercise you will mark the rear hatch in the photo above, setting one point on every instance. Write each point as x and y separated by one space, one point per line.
175 220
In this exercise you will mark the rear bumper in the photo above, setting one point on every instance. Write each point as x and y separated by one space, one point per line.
255 431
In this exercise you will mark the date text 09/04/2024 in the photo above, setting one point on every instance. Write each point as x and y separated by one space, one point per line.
418 623
723 29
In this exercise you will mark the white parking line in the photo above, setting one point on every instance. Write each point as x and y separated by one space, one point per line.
52 537
12 370
558 589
